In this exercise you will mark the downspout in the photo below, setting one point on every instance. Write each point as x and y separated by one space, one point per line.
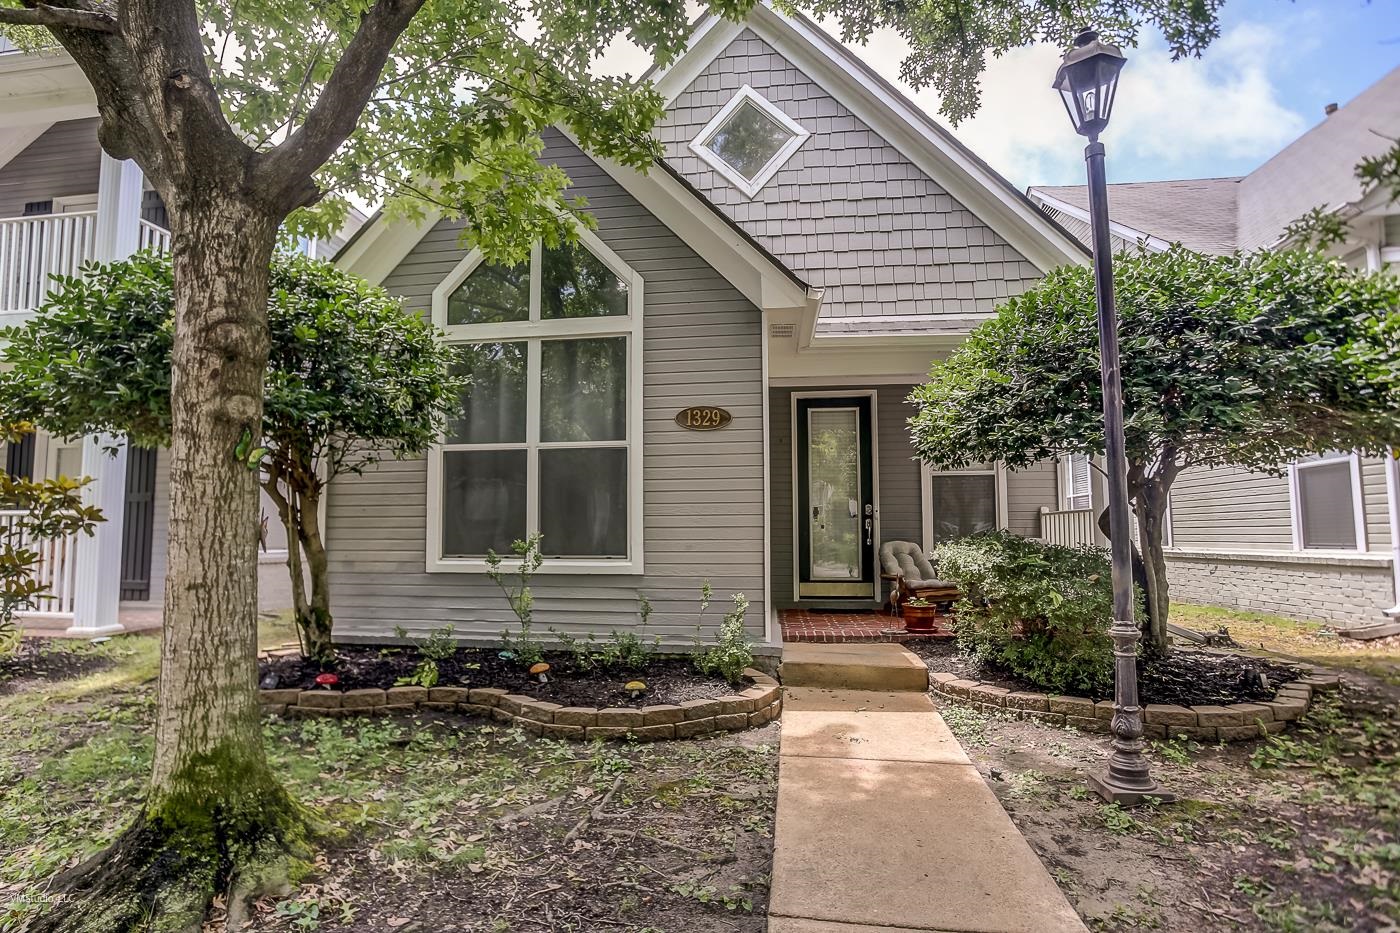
1392 493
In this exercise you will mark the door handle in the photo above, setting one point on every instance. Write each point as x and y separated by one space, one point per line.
869 532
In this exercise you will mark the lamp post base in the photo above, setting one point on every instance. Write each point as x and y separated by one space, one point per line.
1127 796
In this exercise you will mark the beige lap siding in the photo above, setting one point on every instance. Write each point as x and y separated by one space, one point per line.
703 491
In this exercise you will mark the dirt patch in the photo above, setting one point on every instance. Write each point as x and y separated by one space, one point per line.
1295 832
41 660
668 680
1184 678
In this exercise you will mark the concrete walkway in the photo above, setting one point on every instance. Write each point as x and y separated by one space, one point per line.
884 825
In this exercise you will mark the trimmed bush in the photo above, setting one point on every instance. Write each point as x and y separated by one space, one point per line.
1041 611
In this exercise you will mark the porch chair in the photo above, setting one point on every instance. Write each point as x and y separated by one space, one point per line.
909 574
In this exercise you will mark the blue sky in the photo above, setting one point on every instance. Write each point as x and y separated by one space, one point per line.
1264 82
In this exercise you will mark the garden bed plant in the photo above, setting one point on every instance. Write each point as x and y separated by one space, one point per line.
627 668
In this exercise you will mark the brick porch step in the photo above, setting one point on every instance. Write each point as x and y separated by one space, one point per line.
853 667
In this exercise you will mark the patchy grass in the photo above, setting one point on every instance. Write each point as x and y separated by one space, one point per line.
437 823
1307 641
1296 832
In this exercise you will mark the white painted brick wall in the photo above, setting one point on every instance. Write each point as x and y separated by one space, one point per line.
1344 596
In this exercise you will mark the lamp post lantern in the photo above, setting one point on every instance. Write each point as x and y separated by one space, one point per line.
1088 82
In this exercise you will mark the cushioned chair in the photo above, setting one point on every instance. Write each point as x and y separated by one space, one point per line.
910 574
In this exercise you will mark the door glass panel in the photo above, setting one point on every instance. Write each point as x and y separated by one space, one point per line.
833 484
963 505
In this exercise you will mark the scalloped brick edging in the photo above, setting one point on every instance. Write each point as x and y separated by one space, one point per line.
751 707
1235 723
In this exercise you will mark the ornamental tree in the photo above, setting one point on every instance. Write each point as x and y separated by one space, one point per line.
248 115
351 379
1251 360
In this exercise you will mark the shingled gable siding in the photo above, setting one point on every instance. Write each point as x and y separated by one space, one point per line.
62 162
848 211
703 491
901 488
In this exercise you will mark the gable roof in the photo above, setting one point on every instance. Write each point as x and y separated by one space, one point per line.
1199 213
882 106
1220 215
377 248
1319 167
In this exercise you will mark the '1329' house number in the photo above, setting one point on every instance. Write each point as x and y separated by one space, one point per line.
702 418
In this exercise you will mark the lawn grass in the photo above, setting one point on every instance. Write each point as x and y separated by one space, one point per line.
1307 641
432 822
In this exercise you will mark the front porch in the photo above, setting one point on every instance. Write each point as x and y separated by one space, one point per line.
834 626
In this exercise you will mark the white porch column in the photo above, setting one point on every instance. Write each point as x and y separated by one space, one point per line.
99 559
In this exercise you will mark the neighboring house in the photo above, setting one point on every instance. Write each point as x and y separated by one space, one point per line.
1323 540
64 202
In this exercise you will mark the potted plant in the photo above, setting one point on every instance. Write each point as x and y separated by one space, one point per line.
921 617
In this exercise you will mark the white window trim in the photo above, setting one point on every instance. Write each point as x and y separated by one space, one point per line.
535 330
1064 479
750 186
997 472
1358 501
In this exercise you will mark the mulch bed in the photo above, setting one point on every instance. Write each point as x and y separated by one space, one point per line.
668 680
1184 678
37 660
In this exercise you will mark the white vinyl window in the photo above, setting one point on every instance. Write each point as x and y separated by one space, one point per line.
1075 482
1327 504
963 502
547 439
749 140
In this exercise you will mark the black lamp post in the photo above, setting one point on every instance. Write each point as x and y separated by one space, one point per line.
1088 82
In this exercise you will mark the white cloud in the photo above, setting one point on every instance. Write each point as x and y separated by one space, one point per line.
1171 118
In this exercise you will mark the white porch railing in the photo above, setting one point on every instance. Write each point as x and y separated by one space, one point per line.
34 248
57 571
1071 527
153 236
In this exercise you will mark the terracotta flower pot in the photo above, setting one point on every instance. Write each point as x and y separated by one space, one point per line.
922 620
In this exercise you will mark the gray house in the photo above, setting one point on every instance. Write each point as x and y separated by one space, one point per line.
1321 541
810 243
712 385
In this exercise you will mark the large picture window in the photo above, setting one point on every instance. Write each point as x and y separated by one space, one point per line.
546 439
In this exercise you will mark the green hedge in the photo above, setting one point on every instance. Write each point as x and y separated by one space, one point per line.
1041 611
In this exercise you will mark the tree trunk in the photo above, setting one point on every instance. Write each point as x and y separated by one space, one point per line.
316 623
214 805
1150 506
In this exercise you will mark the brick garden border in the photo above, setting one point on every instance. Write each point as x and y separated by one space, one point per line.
754 706
1238 722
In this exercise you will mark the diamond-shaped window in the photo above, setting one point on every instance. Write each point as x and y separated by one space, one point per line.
749 140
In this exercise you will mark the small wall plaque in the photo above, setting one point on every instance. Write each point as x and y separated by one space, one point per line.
702 418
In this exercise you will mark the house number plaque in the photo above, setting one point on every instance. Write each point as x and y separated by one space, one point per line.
702 418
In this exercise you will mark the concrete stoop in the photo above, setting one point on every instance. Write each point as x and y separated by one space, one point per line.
853 667
884 824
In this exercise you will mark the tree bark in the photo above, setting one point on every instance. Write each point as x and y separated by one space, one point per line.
1150 506
214 806
318 622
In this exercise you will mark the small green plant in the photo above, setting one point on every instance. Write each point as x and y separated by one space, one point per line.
438 646
707 595
733 652
524 648
624 651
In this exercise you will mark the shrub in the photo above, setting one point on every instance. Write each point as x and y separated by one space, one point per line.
1041 611
733 652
